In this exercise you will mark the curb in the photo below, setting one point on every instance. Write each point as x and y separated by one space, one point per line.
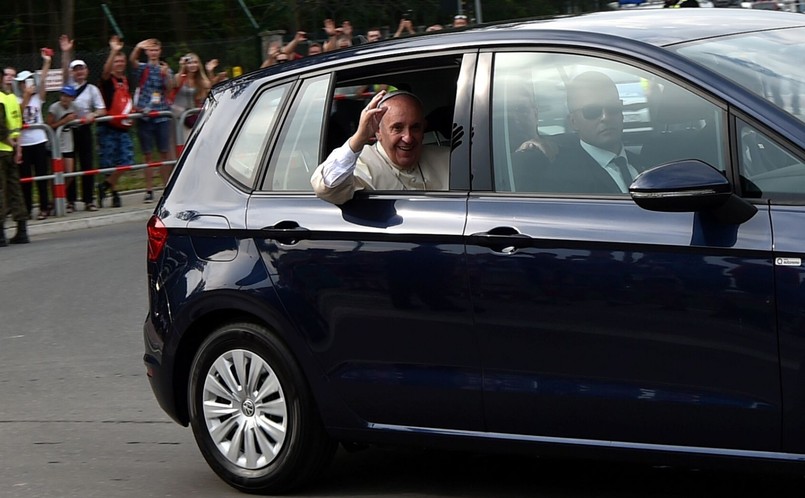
133 210
91 222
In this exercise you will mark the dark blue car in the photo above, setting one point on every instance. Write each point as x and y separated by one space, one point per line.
525 306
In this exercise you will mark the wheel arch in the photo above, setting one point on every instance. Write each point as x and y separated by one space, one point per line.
218 308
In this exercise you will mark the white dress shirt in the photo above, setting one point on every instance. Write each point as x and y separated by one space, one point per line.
345 171
605 157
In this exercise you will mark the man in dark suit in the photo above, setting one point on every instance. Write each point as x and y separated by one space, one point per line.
593 161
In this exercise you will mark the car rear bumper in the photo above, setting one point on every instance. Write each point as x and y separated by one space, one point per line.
159 371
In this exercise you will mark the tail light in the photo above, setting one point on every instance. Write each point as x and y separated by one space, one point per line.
157 235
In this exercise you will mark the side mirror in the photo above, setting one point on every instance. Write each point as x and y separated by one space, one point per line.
690 186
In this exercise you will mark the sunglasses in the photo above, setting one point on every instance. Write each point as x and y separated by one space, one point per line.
593 111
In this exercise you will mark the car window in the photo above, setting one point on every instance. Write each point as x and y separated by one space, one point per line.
767 169
769 63
244 159
433 80
541 145
297 152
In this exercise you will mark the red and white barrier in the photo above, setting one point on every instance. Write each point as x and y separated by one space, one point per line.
57 162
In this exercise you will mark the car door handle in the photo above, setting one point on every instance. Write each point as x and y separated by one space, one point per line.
286 232
504 239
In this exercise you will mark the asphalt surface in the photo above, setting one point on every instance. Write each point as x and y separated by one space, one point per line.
133 209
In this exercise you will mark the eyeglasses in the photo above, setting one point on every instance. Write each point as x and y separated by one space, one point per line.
594 111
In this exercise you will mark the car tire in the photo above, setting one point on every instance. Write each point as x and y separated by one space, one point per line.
252 413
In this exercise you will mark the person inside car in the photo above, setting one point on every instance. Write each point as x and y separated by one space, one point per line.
397 160
595 161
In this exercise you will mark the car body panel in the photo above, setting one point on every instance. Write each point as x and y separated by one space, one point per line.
377 289
644 322
789 251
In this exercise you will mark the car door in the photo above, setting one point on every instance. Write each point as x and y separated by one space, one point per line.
603 323
376 287
773 171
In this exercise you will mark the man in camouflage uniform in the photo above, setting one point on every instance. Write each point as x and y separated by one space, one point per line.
10 155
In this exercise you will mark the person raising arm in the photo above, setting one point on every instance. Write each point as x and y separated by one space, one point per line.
397 160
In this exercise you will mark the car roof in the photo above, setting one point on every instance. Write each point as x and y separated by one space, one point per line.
625 27
656 26
664 27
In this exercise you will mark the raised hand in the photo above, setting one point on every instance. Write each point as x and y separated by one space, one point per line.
115 43
65 43
369 123
329 27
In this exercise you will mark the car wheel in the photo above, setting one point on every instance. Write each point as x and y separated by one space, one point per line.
252 413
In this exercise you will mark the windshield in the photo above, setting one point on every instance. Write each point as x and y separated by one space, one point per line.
769 63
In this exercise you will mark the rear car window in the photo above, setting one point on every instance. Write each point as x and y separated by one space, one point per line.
243 162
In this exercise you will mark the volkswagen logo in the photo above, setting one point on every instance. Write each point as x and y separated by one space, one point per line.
248 408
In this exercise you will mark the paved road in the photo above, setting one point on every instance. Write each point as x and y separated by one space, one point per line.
77 418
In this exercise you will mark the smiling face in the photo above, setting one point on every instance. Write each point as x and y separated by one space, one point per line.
402 130
596 111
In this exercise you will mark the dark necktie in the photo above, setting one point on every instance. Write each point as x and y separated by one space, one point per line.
620 163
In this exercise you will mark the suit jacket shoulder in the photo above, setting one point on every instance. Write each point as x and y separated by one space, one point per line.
574 171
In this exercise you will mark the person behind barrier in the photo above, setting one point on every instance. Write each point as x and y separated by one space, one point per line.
337 37
114 140
90 105
405 27
10 155
35 157
191 86
155 81
373 35
314 49
397 161
460 21
60 113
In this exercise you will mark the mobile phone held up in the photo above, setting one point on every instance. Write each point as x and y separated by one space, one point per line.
29 82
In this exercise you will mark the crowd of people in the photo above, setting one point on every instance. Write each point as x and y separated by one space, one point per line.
24 142
343 36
